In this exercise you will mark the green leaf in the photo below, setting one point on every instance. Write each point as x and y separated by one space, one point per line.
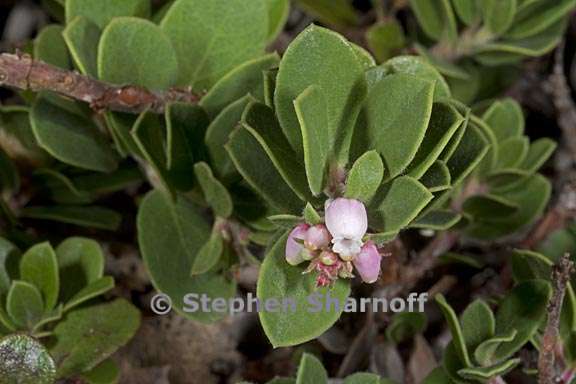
484 353
396 114
185 130
325 59
120 124
69 136
335 12
285 221
457 258
82 37
438 375
363 56
405 325
205 35
439 220
444 122
311 216
523 310
498 14
470 151
512 152
478 324
170 235
90 291
437 177
103 12
443 66
50 47
312 111
489 207
383 237
39 267
311 371
259 171
148 134
9 263
557 244
136 51
459 343
416 66
81 262
260 122
538 17
467 10
105 184
24 360
436 18
106 372
7 325
397 203
536 45
244 79
111 326
363 378
486 373
209 255
529 265
539 152
60 188
278 12
531 196
218 132
24 304
85 216
278 279
15 125
214 192
385 39
365 177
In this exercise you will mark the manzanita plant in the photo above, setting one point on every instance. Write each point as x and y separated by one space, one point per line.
476 44
468 35
49 301
177 124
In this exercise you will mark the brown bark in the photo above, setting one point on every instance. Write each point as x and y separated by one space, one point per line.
560 277
24 73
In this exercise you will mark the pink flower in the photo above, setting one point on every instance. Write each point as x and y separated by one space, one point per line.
347 221
367 263
295 250
317 237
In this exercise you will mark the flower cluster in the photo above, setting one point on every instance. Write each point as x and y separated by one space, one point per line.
336 247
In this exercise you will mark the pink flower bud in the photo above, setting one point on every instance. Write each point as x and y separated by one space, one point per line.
317 237
295 251
367 262
347 221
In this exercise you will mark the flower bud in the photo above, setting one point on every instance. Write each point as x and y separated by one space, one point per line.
317 237
347 221
328 258
295 251
367 262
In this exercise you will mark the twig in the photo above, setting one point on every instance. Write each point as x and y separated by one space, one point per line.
24 73
560 277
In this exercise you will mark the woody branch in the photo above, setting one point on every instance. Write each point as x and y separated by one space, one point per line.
24 73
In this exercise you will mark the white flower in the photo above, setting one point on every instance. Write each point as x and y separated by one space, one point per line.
347 222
